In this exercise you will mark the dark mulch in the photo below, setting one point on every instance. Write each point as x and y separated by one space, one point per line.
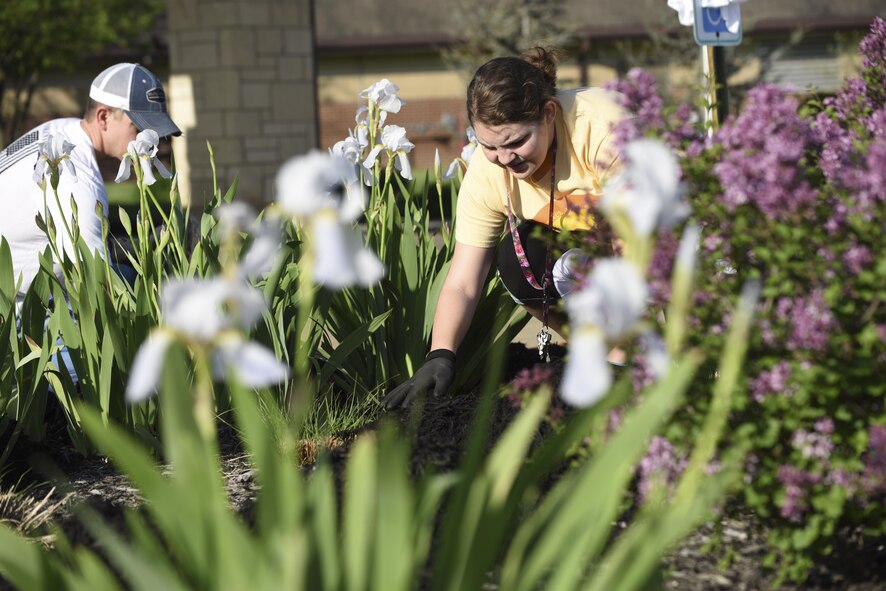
440 434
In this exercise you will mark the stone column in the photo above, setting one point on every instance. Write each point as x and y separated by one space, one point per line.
241 77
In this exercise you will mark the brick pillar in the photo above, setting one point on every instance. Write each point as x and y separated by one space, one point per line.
242 78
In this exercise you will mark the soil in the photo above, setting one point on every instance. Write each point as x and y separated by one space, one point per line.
856 564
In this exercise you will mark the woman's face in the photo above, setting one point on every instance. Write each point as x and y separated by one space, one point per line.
521 148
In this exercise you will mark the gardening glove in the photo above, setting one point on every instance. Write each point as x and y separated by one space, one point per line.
437 372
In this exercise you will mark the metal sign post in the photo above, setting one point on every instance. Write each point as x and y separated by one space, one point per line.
712 33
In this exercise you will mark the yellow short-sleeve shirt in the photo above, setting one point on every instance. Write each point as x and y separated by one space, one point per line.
585 155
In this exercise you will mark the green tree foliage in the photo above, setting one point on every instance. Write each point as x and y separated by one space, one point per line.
37 36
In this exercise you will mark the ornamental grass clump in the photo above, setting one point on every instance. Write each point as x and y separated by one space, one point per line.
791 193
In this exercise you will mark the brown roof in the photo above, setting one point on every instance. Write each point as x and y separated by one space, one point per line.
346 25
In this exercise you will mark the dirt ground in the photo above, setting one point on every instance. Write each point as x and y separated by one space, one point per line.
857 564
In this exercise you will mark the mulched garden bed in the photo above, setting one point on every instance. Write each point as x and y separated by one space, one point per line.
857 563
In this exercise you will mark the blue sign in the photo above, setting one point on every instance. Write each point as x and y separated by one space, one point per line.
711 27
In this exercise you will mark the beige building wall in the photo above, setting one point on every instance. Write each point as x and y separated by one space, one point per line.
242 79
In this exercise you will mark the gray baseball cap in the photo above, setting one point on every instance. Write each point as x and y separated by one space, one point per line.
138 91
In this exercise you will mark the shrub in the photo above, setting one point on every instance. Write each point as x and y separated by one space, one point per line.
791 193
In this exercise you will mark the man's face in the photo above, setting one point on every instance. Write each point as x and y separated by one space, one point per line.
120 131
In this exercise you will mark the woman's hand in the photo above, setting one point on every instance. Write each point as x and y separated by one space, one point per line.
436 373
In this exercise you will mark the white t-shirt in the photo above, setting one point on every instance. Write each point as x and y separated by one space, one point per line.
21 200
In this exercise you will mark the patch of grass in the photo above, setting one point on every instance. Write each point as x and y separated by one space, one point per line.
333 415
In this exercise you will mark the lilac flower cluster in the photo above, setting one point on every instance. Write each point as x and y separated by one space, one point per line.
638 93
795 481
838 147
810 319
873 46
873 479
865 485
852 129
761 149
529 380
661 465
857 257
815 444
772 381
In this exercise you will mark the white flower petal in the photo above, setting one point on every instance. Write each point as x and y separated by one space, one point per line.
393 138
354 203
655 352
403 165
161 168
613 299
263 252
372 157
452 170
335 252
688 247
147 367
40 170
201 309
147 172
315 181
253 365
124 171
370 269
648 190
149 136
193 307
234 217
587 377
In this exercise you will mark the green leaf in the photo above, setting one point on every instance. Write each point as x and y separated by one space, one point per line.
24 563
356 337
575 517
359 512
393 546
321 491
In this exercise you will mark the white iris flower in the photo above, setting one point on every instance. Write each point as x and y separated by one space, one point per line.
648 191
395 144
237 217
350 148
465 158
323 192
384 94
143 149
53 152
212 314
607 308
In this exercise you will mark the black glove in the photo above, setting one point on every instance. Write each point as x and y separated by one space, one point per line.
436 372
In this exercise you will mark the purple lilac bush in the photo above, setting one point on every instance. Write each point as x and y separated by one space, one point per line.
792 192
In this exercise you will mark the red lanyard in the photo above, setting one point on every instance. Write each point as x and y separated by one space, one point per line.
544 336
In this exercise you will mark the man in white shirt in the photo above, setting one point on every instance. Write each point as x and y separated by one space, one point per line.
123 100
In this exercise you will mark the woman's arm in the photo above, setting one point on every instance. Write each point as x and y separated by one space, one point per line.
459 295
